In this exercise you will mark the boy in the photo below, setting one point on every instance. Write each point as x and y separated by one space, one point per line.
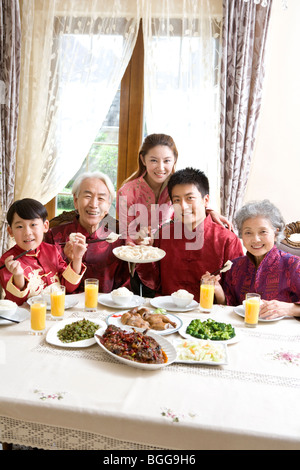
193 243
43 265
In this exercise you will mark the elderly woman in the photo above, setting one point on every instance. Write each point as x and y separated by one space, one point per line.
93 193
266 270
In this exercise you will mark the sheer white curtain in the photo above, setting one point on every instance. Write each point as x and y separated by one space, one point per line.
74 55
182 80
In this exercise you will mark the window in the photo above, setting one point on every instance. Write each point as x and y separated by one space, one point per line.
124 127
102 156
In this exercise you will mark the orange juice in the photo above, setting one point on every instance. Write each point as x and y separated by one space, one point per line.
91 294
207 292
252 306
57 303
38 317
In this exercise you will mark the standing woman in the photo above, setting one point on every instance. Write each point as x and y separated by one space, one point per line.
143 199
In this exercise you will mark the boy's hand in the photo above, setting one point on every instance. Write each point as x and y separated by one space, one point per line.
14 266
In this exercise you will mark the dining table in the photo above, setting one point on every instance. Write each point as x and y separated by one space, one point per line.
56 397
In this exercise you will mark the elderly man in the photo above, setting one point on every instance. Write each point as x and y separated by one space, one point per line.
93 194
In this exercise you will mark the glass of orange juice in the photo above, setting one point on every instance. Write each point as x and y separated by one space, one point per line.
207 292
57 298
91 289
252 306
38 316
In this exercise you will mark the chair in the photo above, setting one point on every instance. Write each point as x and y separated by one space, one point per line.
108 221
63 218
289 245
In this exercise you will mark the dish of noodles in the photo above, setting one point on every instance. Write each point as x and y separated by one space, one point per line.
139 253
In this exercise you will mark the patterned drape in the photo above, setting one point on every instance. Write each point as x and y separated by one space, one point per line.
74 54
10 38
245 26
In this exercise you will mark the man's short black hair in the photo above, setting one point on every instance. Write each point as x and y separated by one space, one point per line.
189 176
27 209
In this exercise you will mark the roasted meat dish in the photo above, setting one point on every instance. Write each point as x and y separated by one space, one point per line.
143 318
132 345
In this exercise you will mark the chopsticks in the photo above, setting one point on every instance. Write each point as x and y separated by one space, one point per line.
17 257
89 241
224 268
9 319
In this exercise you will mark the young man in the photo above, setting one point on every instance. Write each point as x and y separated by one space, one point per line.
193 243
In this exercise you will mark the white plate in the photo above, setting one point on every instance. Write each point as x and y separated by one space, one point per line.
240 310
70 302
115 319
167 347
161 254
20 315
223 360
167 303
105 299
184 334
52 337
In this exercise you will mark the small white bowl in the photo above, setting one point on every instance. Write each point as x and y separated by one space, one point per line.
182 301
121 299
7 308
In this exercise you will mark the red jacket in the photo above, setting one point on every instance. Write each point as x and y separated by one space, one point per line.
42 267
188 256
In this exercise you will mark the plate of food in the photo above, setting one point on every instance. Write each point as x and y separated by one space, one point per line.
167 303
115 299
139 253
153 351
19 315
202 352
240 310
209 330
74 333
70 301
144 318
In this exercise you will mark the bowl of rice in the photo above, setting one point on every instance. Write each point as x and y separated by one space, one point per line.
182 298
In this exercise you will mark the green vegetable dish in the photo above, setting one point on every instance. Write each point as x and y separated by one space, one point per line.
210 329
77 331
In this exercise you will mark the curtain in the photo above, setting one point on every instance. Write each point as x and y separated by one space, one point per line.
10 38
245 27
182 40
74 55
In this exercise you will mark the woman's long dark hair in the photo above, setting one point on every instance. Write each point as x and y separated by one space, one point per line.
151 141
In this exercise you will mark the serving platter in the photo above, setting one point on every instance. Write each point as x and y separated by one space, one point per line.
181 344
184 334
53 339
106 299
120 253
115 319
167 347
166 302
240 310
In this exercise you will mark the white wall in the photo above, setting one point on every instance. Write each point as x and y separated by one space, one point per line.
275 171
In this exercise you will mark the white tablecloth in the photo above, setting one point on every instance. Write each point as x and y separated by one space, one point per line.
61 398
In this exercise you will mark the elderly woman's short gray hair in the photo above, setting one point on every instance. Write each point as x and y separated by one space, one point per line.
96 174
261 209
